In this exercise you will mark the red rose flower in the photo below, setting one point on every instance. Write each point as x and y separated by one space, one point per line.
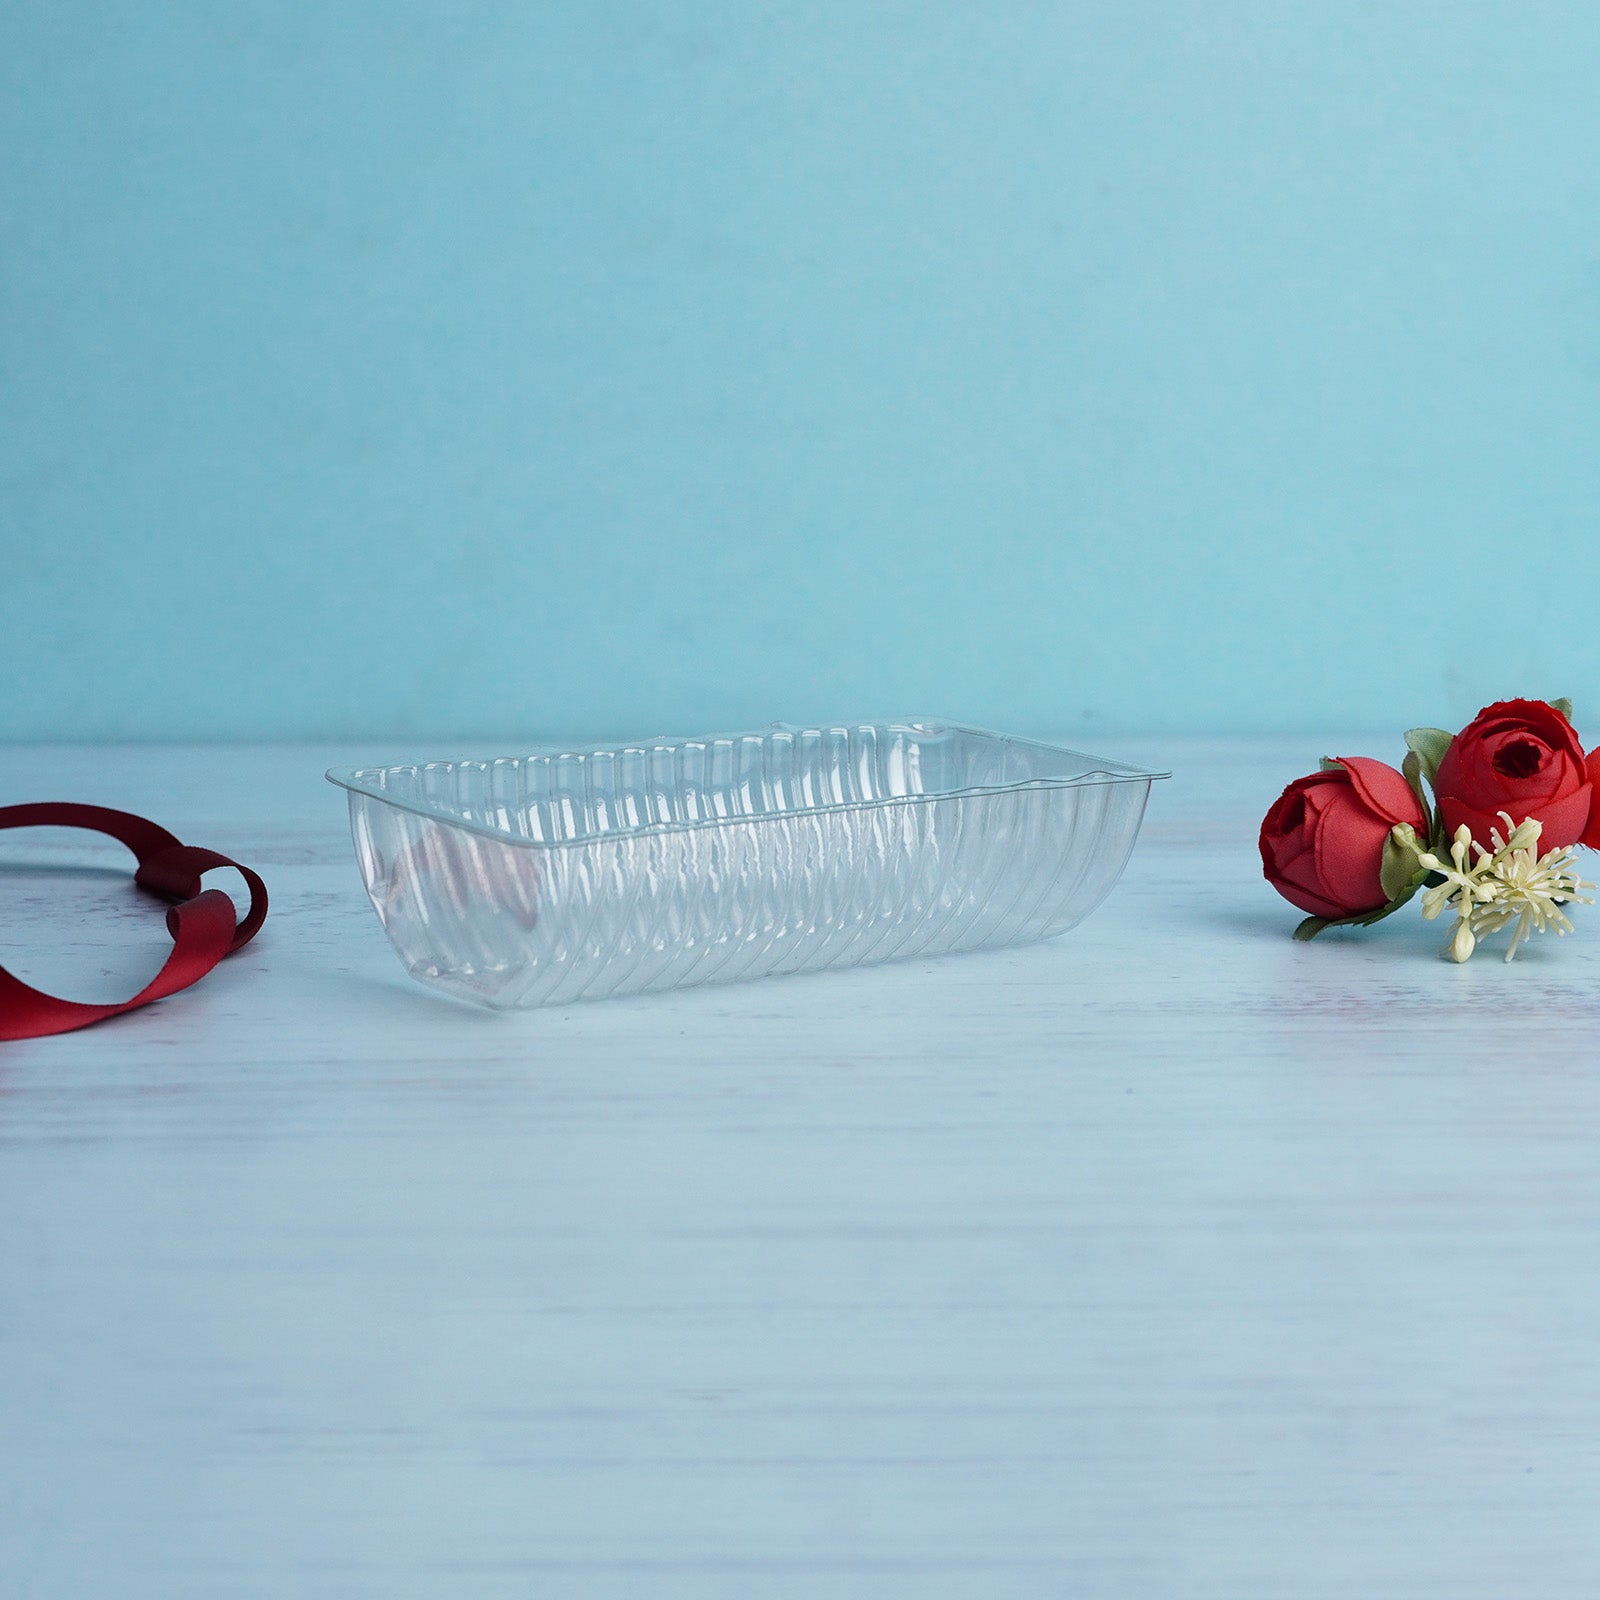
1322 841
1591 834
1521 757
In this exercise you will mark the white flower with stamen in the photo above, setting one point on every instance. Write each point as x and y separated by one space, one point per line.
1510 886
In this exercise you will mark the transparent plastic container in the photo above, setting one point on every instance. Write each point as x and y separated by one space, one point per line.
567 875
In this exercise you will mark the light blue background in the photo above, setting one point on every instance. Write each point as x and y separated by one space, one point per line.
581 368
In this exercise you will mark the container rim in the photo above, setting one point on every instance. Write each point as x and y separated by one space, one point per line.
1098 771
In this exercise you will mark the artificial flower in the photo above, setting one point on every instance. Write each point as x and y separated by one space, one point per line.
1322 842
1521 758
1512 794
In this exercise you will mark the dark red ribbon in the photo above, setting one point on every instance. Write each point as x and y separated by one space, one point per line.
201 921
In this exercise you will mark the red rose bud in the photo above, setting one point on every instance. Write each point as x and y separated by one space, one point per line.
1591 834
1322 841
1521 757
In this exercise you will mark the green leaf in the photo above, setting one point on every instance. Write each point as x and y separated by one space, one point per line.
1392 907
1564 706
1328 764
1430 745
1312 926
1411 767
1400 870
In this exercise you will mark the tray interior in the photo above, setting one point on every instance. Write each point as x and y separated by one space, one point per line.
561 796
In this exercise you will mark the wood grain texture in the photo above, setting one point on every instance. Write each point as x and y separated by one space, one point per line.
1167 1259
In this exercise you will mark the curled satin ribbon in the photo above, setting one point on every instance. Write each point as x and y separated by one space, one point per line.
201 921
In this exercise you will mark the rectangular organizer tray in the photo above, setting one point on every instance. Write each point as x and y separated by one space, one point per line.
567 875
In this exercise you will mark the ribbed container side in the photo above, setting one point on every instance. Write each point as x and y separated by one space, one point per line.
513 923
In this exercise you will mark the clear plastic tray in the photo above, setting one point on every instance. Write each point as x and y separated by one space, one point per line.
568 875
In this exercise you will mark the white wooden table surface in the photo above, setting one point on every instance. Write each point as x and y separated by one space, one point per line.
1167 1259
